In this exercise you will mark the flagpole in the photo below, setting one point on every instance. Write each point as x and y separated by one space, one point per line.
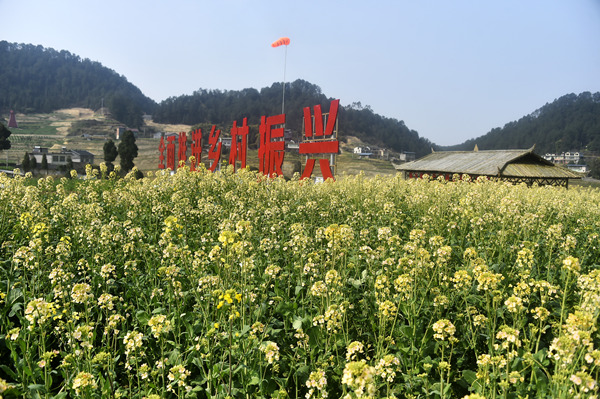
283 41
283 98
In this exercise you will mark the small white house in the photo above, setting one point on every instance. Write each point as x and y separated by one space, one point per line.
56 159
578 168
564 157
363 151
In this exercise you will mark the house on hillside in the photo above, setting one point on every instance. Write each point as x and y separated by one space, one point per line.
578 168
407 156
362 152
515 166
382 153
570 157
55 159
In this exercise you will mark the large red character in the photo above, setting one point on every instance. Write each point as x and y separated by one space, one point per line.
196 148
238 147
270 153
214 151
318 140
171 152
182 155
161 149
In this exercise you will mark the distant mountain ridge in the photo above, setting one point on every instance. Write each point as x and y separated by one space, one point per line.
38 79
569 123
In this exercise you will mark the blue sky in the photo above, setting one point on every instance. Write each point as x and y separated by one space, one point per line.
451 70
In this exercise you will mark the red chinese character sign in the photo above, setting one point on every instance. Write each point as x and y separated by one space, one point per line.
214 151
196 149
319 143
171 152
161 149
182 155
320 138
239 143
272 146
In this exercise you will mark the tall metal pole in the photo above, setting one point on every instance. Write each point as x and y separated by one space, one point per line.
283 98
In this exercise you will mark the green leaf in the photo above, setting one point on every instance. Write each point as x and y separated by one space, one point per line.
174 356
142 317
355 283
8 371
541 380
13 295
245 329
470 376
16 308
196 361
303 370
239 368
35 387
541 356
254 381
27 371
406 331
297 324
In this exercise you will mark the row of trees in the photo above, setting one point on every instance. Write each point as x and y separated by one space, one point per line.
38 79
127 150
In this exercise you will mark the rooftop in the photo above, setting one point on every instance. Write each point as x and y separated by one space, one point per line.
501 163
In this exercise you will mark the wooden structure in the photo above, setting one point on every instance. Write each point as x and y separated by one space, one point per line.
515 166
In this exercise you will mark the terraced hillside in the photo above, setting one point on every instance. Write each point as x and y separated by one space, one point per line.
84 129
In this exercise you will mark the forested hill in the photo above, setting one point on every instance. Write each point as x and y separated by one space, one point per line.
223 107
38 79
570 123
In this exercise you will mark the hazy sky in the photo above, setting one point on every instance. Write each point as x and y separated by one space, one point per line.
451 70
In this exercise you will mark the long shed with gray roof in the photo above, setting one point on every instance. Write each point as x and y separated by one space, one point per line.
516 166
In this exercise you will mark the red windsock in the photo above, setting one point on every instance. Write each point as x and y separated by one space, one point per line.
282 41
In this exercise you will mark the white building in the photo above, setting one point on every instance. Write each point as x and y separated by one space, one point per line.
363 151
564 158
56 159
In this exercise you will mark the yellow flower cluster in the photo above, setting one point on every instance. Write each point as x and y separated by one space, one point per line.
81 293
360 378
159 325
444 330
316 384
387 367
83 381
38 312
271 351
354 349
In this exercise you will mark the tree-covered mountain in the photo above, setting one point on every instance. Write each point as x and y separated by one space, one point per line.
223 107
570 123
38 79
